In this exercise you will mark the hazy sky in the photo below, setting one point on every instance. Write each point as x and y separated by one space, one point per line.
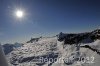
46 17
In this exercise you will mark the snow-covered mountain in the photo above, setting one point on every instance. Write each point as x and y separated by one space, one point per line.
49 51
76 38
9 47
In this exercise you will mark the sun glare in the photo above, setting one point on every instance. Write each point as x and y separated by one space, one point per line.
19 13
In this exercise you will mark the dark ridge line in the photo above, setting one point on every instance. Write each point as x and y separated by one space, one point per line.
94 50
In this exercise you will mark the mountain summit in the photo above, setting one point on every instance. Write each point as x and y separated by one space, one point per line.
64 49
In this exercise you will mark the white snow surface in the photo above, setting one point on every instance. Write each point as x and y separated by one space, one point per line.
49 45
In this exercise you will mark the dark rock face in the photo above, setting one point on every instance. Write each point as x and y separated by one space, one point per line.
32 40
73 38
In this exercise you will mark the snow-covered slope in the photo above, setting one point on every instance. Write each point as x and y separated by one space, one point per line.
51 52
86 56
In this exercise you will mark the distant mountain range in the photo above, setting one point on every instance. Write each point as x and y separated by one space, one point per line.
9 47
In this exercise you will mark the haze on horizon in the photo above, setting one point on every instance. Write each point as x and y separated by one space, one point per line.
46 18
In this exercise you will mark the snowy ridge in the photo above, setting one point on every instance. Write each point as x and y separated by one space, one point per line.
30 54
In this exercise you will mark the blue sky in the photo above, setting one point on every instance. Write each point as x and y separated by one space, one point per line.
46 18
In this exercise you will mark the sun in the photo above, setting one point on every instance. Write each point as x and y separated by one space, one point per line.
19 13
